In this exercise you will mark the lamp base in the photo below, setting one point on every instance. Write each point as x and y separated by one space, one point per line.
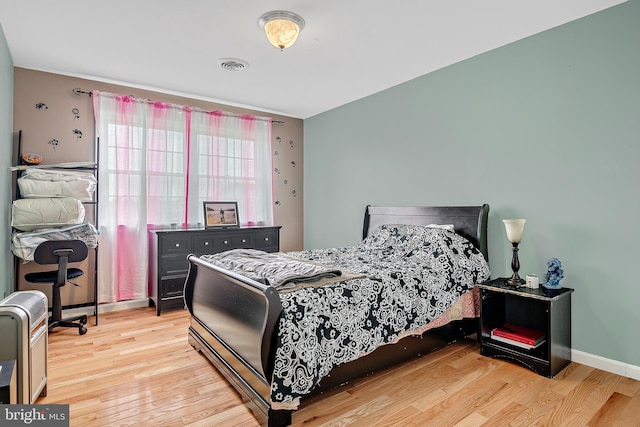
516 281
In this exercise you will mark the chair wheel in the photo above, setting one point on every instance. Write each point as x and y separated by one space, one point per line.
83 320
82 330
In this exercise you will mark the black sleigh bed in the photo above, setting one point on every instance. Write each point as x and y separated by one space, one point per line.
406 290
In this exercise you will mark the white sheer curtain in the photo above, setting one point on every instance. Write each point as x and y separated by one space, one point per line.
230 159
157 163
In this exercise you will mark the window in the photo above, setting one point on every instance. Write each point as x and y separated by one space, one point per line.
158 163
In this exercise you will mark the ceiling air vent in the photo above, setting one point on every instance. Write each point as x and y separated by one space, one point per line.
233 64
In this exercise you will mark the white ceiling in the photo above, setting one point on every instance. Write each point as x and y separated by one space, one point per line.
349 49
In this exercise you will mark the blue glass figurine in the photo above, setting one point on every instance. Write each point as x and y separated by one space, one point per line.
554 274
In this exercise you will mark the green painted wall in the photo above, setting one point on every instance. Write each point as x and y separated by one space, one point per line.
547 129
6 141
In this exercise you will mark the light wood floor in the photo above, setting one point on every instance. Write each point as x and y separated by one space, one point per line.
137 369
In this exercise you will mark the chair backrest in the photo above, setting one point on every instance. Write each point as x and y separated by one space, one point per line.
50 251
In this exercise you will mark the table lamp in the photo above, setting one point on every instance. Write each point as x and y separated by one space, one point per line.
515 228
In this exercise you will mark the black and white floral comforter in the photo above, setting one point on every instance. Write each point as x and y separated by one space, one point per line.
413 275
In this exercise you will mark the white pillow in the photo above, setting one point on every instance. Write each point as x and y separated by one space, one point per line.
449 227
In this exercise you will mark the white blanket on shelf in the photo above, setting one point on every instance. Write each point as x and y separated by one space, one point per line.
36 214
55 183
24 244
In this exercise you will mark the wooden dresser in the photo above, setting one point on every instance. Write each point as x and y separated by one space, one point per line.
168 250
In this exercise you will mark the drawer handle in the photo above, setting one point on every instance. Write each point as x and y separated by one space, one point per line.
244 240
177 245
226 241
206 243
266 239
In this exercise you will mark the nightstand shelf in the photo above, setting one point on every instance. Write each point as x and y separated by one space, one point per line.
545 310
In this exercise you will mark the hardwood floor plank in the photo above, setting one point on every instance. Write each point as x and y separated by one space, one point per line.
138 369
515 387
505 416
473 420
606 415
628 415
457 406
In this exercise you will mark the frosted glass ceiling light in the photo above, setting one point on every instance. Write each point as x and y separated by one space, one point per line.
281 27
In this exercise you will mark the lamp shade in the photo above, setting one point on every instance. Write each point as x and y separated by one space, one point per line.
515 228
281 27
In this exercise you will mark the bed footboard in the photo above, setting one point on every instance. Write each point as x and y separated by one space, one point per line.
233 323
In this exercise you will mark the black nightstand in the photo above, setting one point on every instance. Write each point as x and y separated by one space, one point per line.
545 310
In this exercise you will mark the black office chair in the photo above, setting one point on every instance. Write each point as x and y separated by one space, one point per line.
60 252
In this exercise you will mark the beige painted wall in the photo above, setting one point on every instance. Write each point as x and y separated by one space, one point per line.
44 106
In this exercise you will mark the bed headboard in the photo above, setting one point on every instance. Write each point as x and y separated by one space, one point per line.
469 221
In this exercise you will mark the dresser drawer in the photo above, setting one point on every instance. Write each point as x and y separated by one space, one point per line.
176 303
243 241
267 240
174 266
172 287
232 241
178 243
203 244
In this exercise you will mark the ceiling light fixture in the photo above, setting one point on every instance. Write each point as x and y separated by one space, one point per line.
281 27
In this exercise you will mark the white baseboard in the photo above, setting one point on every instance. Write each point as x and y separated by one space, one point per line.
123 305
108 307
608 365
634 372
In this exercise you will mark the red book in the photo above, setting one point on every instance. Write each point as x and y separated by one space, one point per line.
519 333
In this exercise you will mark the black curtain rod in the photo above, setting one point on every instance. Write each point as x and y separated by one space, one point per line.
79 92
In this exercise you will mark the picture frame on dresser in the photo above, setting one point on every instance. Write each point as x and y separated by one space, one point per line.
221 215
